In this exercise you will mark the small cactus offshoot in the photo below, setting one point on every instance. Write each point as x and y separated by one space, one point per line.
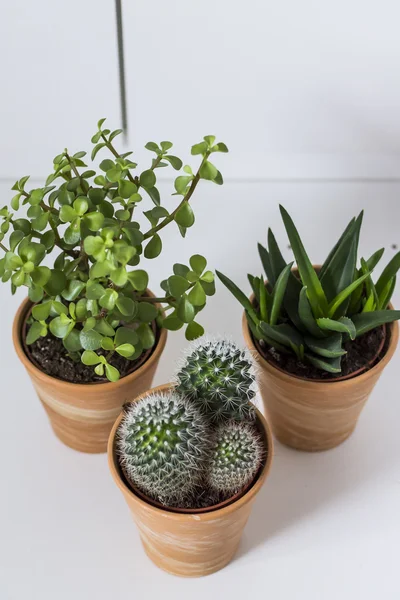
219 378
236 458
163 445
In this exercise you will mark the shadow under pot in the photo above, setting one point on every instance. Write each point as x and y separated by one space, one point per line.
317 414
190 542
82 414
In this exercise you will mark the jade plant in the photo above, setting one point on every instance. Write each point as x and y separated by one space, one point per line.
316 312
177 453
219 378
94 297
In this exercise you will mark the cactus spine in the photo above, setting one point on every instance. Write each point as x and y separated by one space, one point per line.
219 378
236 458
163 447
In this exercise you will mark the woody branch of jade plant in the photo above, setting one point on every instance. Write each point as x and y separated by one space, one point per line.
93 297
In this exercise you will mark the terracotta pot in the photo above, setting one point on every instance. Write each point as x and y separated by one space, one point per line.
82 415
315 415
196 543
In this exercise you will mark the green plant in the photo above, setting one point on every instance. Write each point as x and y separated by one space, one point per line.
90 297
219 378
236 457
315 313
162 444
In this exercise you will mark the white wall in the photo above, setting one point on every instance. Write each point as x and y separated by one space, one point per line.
306 89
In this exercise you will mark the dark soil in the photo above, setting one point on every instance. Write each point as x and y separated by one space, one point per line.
359 353
49 354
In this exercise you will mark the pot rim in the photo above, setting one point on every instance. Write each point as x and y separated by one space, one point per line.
393 328
67 385
201 514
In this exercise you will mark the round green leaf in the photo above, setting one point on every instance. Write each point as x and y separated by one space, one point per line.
185 216
94 220
119 276
172 323
90 340
182 182
108 299
208 171
97 195
197 295
147 179
56 283
41 312
112 373
146 335
90 358
59 326
72 234
126 188
154 247
177 285
146 312
198 263
139 279
99 370
193 331
67 213
125 335
125 350
114 175
72 342
94 290
106 165
36 331
72 291
185 310
126 306
107 344
81 206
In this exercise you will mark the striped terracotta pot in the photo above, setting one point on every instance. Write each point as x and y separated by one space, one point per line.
190 544
315 415
82 415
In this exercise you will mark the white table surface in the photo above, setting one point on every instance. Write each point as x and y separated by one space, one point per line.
325 526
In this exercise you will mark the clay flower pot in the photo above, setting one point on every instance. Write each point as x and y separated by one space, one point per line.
190 543
82 415
316 415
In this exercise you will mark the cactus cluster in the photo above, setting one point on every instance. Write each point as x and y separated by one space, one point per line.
197 445
163 443
236 458
219 378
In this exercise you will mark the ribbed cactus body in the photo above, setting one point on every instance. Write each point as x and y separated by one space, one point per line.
219 378
236 458
163 446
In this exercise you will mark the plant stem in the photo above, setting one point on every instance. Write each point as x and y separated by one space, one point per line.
3 248
186 198
73 167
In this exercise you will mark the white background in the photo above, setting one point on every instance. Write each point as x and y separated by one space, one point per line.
306 95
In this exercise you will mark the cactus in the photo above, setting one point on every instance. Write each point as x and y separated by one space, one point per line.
236 458
219 378
163 446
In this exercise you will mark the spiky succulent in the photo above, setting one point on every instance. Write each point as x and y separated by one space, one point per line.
236 457
163 445
317 312
219 378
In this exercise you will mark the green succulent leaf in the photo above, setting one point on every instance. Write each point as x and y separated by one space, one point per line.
193 331
331 365
329 347
197 295
388 273
36 330
90 340
90 358
125 350
154 247
365 322
185 215
342 325
177 285
112 373
308 275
